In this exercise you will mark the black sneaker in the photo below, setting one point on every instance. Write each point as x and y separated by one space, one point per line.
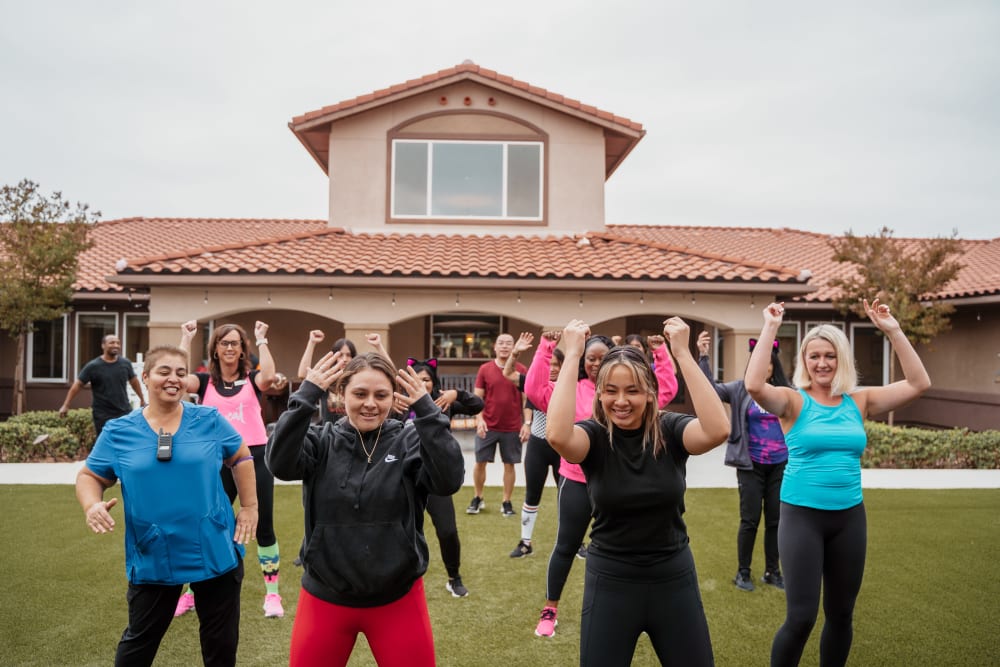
508 509
581 553
475 506
456 588
743 580
521 550
774 579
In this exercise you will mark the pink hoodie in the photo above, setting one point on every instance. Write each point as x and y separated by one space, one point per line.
538 388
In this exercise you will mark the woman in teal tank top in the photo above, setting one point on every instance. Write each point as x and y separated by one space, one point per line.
822 536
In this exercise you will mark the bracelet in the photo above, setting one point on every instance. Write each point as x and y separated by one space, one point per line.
248 457
261 341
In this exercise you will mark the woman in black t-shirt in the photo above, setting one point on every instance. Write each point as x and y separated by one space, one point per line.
640 571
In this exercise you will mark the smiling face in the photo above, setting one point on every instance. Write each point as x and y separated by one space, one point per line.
428 381
503 346
624 400
367 399
164 377
554 365
592 358
111 346
820 358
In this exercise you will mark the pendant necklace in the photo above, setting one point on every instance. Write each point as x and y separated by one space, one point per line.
362 441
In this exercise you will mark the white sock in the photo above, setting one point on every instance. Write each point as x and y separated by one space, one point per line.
528 516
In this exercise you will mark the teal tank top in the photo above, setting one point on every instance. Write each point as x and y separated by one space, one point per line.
824 456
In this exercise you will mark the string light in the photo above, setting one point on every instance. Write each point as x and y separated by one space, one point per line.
751 302
581 299
519 296
205 300
269 298
330 296
694 301
642 298
393 299
130 295
457 299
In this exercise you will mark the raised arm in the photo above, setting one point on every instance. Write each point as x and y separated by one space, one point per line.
266 376
915 378
522 344
537 386
781 402
315 337
570 441
188 331
666 375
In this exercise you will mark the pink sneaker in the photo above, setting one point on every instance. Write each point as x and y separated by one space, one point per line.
185 603
272 606
547 623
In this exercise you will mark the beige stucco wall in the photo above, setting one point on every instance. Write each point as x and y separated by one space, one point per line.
359 153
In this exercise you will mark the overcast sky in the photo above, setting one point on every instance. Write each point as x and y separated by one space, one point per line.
823 116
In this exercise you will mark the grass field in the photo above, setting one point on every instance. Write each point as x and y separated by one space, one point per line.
931 594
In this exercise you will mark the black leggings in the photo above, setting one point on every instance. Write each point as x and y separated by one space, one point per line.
265 495
442 511
820 547
761 485
622 600
539 458
574 517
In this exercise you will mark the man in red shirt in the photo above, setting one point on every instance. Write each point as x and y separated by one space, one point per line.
503 421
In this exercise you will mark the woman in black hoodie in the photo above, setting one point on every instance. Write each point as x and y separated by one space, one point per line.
365 484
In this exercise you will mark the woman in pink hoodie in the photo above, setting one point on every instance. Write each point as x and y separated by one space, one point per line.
573 502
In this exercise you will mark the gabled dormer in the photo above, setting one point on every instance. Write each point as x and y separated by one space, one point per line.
466 150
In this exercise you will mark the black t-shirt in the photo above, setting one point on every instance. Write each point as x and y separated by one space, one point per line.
638 500
109 386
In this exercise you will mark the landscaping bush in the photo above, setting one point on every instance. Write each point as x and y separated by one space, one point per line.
22 442
903 447
79 422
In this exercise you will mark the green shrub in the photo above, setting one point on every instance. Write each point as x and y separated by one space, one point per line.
79 422
902 447
24 442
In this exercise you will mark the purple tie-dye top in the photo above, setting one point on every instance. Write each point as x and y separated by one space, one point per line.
766 441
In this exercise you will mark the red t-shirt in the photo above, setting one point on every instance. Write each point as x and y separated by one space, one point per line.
502 399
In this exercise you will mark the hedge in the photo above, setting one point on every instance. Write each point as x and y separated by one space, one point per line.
904 447
70 438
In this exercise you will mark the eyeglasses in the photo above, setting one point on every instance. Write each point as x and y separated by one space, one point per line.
753 343
230 343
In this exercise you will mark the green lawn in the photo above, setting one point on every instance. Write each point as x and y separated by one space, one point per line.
931 594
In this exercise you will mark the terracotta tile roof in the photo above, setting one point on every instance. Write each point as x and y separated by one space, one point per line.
334 252
800 250
465 70
132 237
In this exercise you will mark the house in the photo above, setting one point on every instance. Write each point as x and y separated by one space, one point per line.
467 203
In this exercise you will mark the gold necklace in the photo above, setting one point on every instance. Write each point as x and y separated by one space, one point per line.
362 440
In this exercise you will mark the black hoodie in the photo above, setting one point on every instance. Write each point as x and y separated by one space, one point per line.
364 542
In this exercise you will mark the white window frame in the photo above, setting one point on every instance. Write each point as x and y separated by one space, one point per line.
886 356
30 375
428 205
82 359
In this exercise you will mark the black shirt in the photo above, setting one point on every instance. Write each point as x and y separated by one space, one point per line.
108 386
638 500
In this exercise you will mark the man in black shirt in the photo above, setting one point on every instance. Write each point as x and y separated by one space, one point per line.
107 376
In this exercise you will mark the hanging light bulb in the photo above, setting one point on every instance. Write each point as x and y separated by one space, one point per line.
519 296
581 299
269 298
330 296
642 298
457 299
694 301
393 299
205 300
751 302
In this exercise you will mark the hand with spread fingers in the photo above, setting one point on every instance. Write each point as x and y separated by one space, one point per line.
412 386
99 519
327 371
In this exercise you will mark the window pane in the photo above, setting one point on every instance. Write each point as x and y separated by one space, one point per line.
524 181
869 352
48 357
136 336
467 180
464 335
91 329
410 179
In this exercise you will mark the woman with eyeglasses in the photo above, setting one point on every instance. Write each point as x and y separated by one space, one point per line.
757 450
823 534
235 388
640 571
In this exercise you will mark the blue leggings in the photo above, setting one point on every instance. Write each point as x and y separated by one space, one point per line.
820 547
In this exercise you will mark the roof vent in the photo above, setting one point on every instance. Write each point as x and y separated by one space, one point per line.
121 264
582 241
805 274
468 62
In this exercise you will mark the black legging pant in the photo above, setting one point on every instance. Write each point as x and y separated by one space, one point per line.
820 547
761 485
574 517
539 458
265 495
622 600
442 511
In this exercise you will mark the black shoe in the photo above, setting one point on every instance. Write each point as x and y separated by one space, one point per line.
475 506
774 579
521 550
507 509
743 580
456 588
581 553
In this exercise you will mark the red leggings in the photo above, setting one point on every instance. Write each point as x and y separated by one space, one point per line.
399 633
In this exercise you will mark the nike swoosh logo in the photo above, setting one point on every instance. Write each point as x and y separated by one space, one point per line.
390 458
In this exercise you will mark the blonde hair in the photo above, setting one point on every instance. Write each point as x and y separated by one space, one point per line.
635 361
845 380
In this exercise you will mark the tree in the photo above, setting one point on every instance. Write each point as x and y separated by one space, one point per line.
41 239
904 274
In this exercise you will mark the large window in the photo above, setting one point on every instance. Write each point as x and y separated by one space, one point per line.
466 179
47 351
136 341
464 335
91 328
